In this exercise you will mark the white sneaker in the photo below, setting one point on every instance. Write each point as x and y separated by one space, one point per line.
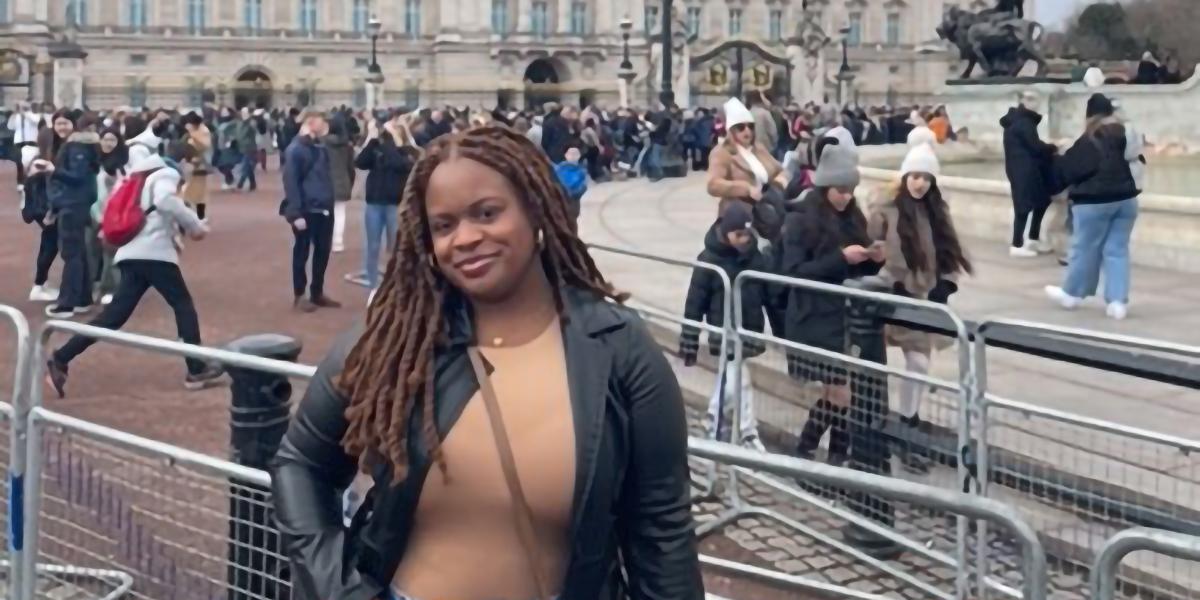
106 299
339 248
1064 299
752 442
1041 246
225 187
1022 252
1117 310
42 293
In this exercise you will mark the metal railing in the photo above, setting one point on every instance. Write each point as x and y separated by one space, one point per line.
15 443
1169 543
118 508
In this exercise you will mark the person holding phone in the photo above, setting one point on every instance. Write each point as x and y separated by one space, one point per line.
923 259
71 190
825 239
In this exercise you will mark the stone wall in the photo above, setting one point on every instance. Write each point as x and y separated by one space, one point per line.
1165 114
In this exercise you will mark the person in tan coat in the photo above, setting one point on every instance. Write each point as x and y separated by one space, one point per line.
195 191
739 168
923 259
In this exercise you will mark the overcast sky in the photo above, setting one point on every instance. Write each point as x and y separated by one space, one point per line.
1052 12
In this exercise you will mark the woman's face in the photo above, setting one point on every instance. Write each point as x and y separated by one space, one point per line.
840 197
482 238
743 134
108 143
918 184
63 127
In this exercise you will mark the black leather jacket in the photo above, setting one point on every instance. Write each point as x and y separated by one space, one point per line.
631 507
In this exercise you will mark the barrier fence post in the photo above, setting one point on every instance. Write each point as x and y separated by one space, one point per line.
1104 571
18 411
259 413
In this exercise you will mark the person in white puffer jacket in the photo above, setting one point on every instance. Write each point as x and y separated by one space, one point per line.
149 260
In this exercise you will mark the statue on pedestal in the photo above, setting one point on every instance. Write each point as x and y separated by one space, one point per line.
806 51
680 61
999 40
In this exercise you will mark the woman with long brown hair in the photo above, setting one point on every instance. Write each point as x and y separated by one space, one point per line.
524 434
923 258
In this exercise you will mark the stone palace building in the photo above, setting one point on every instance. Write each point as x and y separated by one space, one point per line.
473 52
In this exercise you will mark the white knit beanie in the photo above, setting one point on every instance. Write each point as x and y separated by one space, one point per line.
921 136
921 159
736 113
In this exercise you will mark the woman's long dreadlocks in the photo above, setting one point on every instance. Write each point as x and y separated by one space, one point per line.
390 368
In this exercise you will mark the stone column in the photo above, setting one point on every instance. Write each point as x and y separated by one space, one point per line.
524 9
68 82
563 10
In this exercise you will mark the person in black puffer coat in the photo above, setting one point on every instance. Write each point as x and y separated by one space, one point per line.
826 240
1026 162
388 158
730 245
71 190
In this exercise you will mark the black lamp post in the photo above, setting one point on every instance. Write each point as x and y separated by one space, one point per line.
374 72
845 73
666 96
625 72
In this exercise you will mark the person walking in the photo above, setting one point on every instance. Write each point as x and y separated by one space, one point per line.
308 208
729 245
247 145
149 260
1104 208
199 138
388 158
114 160
228 156
35 207
71 190
340 149
923 259
1027 162
825 240
484 486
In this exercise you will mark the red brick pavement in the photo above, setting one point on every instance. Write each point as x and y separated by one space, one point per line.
240 278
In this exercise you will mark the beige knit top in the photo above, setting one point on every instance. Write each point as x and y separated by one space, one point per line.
465 544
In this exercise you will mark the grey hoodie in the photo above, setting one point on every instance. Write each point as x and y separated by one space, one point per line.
156 240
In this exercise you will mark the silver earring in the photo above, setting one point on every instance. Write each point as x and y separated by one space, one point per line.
540 239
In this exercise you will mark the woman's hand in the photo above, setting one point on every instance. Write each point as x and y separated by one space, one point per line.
755 194
856 254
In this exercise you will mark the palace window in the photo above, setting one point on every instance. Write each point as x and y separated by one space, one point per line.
77 13
194 98
360 15
579 18
540 19
500 16
137 13
854 37
253 15
4 18
308 16
735 21
775 25
137 93
693 20
893 29
651 20
196 16
412 18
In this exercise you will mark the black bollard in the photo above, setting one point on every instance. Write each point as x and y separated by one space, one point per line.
259 414
869 450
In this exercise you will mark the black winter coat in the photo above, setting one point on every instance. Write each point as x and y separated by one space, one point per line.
1027 159
387 167
1095 168
556 134
631 511
72 185
817 318
706 295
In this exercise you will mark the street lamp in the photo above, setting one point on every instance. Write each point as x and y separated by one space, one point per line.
374 72
625 72
666 96
845 73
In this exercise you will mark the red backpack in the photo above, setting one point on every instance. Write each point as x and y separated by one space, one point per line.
123 216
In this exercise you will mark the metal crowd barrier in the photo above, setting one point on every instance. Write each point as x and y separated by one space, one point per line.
1033 555
1083 479
1104 571
11 496
869 375
111 514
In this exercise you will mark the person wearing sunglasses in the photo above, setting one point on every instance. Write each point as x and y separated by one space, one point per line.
740 168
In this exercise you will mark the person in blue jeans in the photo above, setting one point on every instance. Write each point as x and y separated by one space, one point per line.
1104 207
388 158
248 131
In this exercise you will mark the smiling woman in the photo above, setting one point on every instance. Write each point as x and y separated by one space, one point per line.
574 487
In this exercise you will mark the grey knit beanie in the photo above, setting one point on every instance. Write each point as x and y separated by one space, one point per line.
838 167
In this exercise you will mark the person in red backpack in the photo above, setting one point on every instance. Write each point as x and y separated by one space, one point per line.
149 260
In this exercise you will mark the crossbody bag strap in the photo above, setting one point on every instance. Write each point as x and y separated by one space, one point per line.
521 511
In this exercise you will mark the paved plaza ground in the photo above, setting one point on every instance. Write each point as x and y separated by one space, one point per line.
240 278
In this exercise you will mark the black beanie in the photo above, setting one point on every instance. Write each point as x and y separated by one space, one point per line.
737 216
1099 105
